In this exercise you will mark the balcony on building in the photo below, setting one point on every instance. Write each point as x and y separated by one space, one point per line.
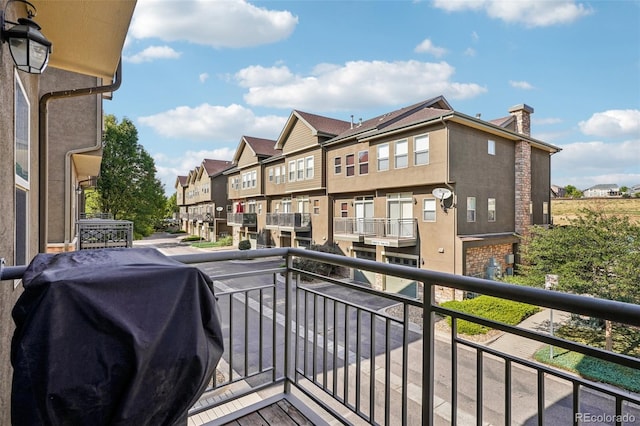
377 231
249 220
289 221
296 352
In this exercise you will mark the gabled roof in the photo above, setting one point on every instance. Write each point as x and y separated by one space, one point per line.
434 107
503 122
215 167
318 124
603 186
262 148
181 181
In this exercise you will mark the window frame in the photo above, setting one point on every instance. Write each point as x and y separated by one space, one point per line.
309 167
351 166
471 209
316 206
423 152
491 212
491 147
21 133
344 209
433 211
398 156
292 171
363 164
337 165
300 168
381 159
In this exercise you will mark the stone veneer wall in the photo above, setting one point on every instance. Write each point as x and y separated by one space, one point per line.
523 188
477 258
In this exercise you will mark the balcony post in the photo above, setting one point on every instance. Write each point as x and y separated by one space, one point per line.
428 349
288 318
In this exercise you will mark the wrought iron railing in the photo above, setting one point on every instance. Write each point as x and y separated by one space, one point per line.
297 221
242 219
382 357
103 233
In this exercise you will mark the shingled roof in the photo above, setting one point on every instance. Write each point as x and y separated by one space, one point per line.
215 167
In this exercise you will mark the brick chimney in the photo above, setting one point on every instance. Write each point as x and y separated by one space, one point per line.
522 113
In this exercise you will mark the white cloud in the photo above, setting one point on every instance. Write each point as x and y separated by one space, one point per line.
356 84
169 168
203 77
530 13
427 46
521 85
612 123
213 123
585 164
152 53
475 37
228 23
470 51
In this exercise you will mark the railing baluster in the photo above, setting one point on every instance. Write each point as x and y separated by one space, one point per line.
387 373
358 359
230 337
540 398
346 355
405 362
507 392
454 370
325 344
335 349
246 333
479 377
372 369
576 402
314 364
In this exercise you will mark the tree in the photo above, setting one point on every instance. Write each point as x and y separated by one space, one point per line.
572 192
171 206
595 254
127 183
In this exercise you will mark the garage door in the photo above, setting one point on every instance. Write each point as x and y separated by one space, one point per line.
401 285
365 277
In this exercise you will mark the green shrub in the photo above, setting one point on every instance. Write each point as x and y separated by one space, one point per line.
492 308
315 266
191 238
244 245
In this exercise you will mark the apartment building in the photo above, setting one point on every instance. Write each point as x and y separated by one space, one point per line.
202 197
295 182
429 187
246 191
50 125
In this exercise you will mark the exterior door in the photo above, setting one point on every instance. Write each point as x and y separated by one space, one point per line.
400 208
364 211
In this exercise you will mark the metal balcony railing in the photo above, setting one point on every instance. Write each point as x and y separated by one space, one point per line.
293 221
377 231
335 344
96 215
242 219
103 233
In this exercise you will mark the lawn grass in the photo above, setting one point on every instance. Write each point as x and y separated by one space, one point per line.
493 308
591 368
223 242
626 340
563 209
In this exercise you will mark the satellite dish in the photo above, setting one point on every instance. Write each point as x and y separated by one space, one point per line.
441 193
219 209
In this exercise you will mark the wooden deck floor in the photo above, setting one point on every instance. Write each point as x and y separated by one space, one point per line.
278 413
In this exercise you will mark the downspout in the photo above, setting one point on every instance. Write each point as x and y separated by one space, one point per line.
43 148
455 197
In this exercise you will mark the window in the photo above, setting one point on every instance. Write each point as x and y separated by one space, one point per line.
286 205
309 168
401 154
337 165
260 208
429 210
300 169
545 213
350 165
344 210
292 171
383 157
254 177
491 209
252 206
421 150
22 136
363 162
471 209
316 206
284 173
491 147
271 174
277 175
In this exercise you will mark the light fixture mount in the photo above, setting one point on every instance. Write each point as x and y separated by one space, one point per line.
29 48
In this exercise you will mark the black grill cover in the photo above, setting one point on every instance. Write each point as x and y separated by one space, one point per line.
112 337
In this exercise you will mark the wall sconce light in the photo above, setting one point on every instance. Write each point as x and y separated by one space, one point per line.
29 48
79 190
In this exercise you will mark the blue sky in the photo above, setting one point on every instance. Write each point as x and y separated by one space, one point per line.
199 74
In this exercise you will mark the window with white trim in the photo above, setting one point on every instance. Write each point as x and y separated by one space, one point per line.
271 174
401 158
309 168
363 162
351 168
337 165
292 171
344 210
277 171
491 209
254 179
300 166
383 157
471 209
491 147
316 206
429 210
284 173
421 150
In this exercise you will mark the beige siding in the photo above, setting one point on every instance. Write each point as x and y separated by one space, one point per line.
299 138
271 187
305 184
247 158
